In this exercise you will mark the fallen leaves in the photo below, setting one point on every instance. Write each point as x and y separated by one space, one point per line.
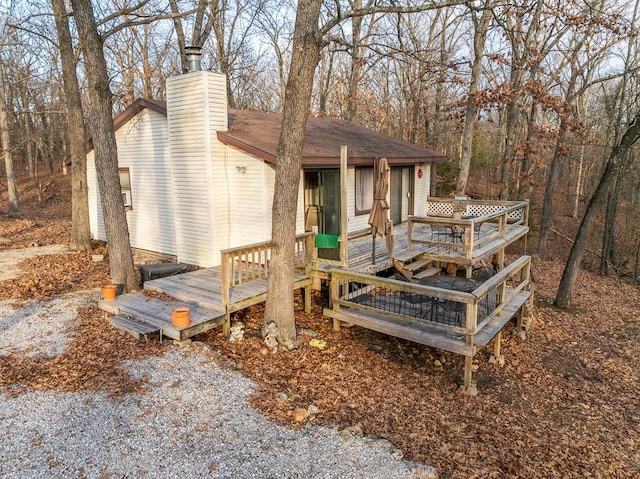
91 362
45 276
553 410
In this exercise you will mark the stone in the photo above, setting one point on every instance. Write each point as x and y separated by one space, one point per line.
497 360
236 333
270 335
300 414
398 454
282 395
425 472
351 431
471 390
437 363
313 410
307 332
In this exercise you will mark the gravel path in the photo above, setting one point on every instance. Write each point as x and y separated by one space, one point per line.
194 422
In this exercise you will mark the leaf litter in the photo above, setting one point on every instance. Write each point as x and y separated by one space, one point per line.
565 404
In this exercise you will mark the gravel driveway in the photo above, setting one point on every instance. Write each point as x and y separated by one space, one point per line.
195 421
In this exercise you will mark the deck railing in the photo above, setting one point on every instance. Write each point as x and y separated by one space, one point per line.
517 211
464 313
251 262
466 232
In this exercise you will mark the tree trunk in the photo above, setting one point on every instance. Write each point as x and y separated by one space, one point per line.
608 235
479 37
104 145
552 179
305 58
614 164
29 139
356 66
12 186
513 121
80 229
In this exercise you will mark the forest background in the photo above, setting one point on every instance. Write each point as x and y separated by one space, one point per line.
533 96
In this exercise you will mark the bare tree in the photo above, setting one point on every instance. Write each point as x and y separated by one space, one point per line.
308 39
80 229
104 145
616 161
481 26
12 186
305 58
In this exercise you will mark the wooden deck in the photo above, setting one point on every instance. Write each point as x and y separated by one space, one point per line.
461 322
429 246
211 294
200 291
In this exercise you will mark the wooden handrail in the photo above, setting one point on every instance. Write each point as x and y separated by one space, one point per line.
473 324
250 262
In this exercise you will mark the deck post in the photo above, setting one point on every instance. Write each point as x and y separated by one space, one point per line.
307 298
316 281
344 221
410 233
334 293
226 326
468 371
496 357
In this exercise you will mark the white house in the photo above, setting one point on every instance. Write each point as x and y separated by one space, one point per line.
198 178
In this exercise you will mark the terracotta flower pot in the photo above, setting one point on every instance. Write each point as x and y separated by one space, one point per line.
109 292
180 318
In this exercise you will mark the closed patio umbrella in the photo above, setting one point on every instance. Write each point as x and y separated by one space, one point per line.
380 209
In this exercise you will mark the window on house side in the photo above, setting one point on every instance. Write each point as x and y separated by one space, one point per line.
125 187
364 190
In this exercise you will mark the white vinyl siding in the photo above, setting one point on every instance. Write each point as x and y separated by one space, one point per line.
96 222
421 189
355 222
271 180
143 149
243 186
196 107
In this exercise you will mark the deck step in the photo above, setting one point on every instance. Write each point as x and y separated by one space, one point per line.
427 272
135 328
158 313
416 265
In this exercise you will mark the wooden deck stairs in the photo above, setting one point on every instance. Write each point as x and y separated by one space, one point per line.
416 268
144 316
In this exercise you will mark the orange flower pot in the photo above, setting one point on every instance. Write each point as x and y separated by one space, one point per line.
180 318
109 292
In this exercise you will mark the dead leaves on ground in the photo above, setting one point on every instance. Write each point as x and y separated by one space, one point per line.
91 362
565 397
45 276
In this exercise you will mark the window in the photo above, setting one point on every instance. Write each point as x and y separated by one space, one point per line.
125 187
364 190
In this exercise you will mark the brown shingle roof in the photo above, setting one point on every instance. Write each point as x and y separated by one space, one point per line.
258 133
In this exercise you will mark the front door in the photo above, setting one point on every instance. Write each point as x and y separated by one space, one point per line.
322 205
401 193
